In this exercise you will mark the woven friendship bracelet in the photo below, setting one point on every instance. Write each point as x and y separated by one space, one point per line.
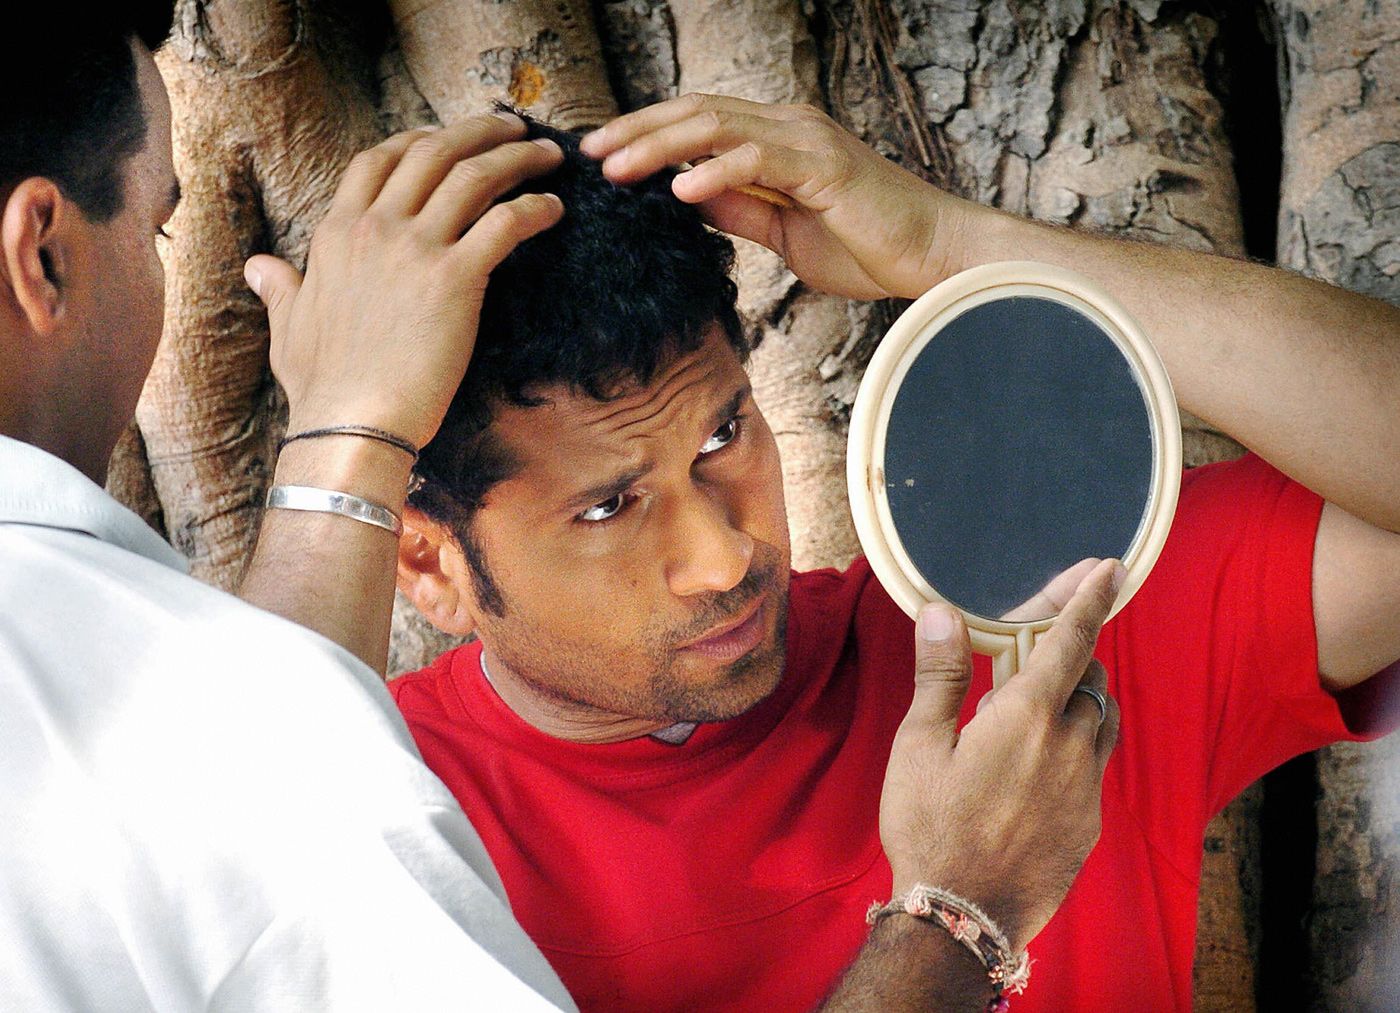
967 923
368 432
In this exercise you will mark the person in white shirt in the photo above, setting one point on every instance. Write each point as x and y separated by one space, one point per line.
207 806
204 806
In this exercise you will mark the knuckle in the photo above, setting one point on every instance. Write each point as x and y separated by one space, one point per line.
750 153
465 175
505 218
367 159
401 137
429 148
1084 635
712 120
1018 709
368 228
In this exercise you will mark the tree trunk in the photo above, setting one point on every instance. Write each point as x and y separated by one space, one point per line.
1339 220
266 110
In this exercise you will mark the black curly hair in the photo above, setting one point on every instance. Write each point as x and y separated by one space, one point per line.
71 111
627 281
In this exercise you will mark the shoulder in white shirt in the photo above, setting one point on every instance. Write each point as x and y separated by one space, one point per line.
208 807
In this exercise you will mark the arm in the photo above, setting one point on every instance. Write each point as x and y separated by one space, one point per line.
379 334
1002 813
1262 353
910 965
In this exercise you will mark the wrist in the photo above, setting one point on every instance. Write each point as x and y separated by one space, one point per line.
953 239
307 416
999 904
946 975
1007 965
366 468
990 235
982 235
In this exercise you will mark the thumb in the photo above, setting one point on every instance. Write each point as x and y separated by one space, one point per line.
942 670
276 283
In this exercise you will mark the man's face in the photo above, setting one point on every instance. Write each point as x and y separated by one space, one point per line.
120 309
642 548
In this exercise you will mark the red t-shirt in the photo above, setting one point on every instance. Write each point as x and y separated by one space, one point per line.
733 872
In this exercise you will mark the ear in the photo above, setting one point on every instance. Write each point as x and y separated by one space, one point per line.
429 562
33 251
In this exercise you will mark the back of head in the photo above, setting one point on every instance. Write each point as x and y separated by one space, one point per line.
629 279
70 107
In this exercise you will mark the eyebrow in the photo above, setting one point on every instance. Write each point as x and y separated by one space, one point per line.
175 194
619 484
615 486
731 408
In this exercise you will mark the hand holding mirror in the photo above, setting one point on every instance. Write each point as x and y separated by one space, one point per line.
1014 427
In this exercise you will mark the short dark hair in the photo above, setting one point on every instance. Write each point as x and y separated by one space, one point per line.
72 112
629 279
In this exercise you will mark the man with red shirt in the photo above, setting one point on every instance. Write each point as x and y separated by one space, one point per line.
676 757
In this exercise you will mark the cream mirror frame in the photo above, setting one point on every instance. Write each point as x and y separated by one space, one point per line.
1057 294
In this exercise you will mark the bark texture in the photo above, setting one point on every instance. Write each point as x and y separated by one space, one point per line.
1103 114
543 57
1339 220
267 110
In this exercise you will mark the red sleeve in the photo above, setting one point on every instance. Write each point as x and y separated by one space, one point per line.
1215 660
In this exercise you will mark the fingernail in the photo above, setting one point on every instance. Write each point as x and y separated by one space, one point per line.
254 279
1120 575
936 624
548 145
510 118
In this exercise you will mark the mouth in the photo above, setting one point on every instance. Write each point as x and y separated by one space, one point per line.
733 639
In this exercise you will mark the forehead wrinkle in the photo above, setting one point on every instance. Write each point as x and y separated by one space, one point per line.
593 437
658 403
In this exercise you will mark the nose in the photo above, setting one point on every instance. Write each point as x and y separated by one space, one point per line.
707 552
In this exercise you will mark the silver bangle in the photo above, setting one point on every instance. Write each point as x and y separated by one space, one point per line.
328 501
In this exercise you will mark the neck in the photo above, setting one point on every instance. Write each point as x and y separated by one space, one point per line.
561 719
38 412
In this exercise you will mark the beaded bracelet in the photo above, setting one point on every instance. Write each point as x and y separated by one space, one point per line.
1008 972
368 432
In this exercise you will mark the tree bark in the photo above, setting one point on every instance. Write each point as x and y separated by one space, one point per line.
1339 220
542 57
266 112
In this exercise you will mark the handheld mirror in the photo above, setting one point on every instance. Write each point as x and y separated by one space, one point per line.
1013 424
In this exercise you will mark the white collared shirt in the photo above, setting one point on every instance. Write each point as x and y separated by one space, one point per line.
203 806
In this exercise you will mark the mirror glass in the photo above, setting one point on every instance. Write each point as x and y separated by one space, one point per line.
1019 444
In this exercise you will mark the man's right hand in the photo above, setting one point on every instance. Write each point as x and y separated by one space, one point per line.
1005 812
382 328
379 334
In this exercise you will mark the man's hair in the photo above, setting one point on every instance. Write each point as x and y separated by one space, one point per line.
71 111
628 280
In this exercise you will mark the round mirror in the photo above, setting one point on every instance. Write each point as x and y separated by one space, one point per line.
1013 427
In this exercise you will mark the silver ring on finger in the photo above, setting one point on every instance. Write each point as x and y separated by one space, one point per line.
1099 697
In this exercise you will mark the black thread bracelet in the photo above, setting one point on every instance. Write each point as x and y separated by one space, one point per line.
368 432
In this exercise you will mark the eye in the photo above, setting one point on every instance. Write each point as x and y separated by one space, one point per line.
721 437
603 511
